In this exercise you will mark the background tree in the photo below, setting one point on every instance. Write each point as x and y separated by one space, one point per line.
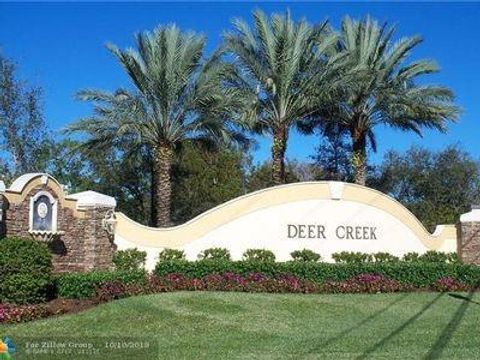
24 138
386 89
332 158
281 72
436 186
115 171
259 176
177 98
71 166
203 180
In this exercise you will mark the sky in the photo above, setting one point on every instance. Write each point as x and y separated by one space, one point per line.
61 47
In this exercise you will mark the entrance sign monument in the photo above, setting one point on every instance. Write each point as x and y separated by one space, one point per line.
83 229
325 217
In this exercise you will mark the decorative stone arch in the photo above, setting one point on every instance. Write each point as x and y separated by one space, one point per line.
76 236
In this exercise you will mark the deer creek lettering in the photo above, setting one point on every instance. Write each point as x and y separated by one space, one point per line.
347 232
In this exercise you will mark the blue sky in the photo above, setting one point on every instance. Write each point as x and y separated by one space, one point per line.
60 46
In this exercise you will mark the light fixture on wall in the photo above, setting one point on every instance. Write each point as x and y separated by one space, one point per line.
109 222
2 207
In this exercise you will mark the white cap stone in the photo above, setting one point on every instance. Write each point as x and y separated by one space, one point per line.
472 216
91 198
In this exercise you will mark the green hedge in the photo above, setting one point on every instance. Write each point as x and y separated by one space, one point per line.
221 254
129 260
417 274
305 255
171 255
25 271
83 285
258 255
354 257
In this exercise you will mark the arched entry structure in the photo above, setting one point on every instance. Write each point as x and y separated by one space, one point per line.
326 217
36 206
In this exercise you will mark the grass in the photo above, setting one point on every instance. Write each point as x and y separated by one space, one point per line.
209 325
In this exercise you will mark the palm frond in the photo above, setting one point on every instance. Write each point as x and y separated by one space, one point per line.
382 87
174 86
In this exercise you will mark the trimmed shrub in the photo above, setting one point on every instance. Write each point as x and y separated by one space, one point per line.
259 255
215 254
350 257
171 255
438 257
129 260
305 255
84 285
384 257
453 258
25 271
26 288
432 256
411 257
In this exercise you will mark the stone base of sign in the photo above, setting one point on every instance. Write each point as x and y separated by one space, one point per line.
468 244
79 243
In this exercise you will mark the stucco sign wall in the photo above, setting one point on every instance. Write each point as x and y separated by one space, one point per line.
326 217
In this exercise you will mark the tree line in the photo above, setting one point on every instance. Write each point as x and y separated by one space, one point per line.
178 140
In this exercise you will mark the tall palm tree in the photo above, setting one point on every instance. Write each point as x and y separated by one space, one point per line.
385 90
282 73
177 97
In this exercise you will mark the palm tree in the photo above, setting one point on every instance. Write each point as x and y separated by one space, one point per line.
176 98
385 90
281 71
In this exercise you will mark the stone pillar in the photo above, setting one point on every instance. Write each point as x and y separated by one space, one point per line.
468 239
98 243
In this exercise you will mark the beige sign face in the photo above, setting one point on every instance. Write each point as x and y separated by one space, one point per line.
324 226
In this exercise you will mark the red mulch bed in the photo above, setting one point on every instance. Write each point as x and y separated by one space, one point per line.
69 306
20 313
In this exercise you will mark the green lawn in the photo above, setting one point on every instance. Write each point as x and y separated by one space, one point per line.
196 325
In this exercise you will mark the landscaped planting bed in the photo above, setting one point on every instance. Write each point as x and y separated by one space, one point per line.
258 272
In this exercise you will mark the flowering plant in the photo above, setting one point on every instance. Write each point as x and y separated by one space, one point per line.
445 284
10 313
365 283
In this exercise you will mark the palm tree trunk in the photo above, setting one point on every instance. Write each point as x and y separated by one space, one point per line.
359 157
278 155
153 195
163 156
